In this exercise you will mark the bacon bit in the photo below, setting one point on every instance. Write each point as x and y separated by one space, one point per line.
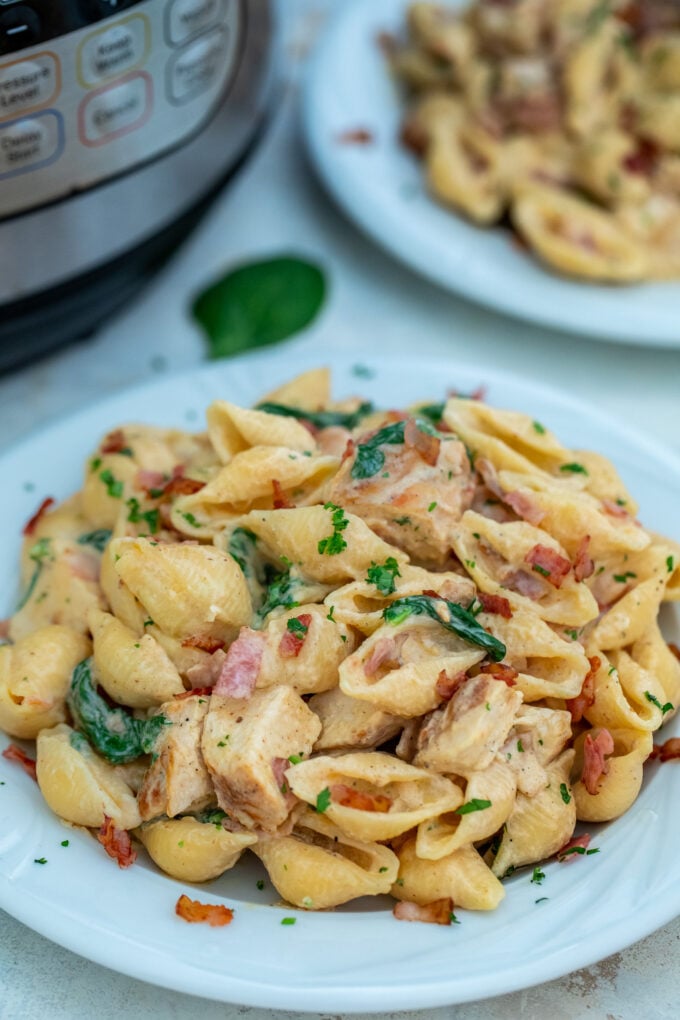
181 486
291 642
195 912
117 843
4 627
436 912
524 507
281 501
202 692
479 393
241 666
356 136
594 764
501 671
164 487
644 160
414 137
32 523
347 796
349 450
114 442
15 754
578 705
447 686
668 751
496 604
564 854
422 442
550 564
613 509
674 649
385 653
204 642
583 565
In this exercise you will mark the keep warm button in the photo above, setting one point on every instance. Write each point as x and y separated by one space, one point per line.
115 110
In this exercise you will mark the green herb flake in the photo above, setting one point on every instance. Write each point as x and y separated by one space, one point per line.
148 622
382 870
595 850
40 860
180 843
295 759
623 578
95 464
260 884
402 521
137 516
383 576
520 746
335 543
64 842
323 800
542 899
297 627
453 919
668 707
330 616
564 793
97 539
473 805
288 920
538 428
432 506
573 634
670 564
190 519
114 487
574 468
538 876
540 570
611 670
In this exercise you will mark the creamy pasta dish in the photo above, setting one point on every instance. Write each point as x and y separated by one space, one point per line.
563 115
387 651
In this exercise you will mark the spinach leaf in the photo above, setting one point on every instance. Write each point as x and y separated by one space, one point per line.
320 419
280 592
115 734
242 548
259 303
460 621
433 412
370 459
98 539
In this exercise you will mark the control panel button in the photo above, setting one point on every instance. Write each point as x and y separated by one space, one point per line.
19 27
30 143
25 84
196 68
115 110
111 51
95 9
187 18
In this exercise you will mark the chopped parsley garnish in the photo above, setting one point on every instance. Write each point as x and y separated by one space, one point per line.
564 793
402 521
574 468
573 634
453 617
370 458
95 463
538 428
473 805
520 746
540 570
383 575
453 919
622 578
297 627
288 920
329 615
64 842
668 707
538 876
190 519
319 419
98 539
113 487
260 884
38 552
295 759
213 818
148 622
323 800
432 506
137 516
335 543
670 564
382 870
40 860
542 899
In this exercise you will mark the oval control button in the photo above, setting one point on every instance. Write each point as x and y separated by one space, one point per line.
30 143
115 110
197 67
186 18
111 51
25 84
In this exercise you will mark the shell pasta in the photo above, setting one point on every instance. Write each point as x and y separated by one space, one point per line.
393 652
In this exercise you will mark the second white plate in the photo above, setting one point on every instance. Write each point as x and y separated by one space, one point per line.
379 185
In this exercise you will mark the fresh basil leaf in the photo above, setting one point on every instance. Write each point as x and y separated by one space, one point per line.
259 303
461 621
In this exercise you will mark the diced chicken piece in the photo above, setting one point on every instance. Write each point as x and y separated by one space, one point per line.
177 780
424 487
348 722
244 743
467 734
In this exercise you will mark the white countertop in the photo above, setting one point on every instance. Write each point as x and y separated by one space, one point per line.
375 306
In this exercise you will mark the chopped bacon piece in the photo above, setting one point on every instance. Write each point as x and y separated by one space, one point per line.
281 501
614 509
114 442
447 686
32 523
524 507
347 796
572 848
501 671
203 692
117 843
644 160
578 705
15 754
356 136
426 445
291 641
414 137
674 649
594 763
204 642
436 912
159 486
496 604
4 628
240 668
181 486
583 565
385 653
195 912
349 450
668 751
548 564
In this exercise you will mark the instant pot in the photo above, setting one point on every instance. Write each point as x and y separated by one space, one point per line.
119 121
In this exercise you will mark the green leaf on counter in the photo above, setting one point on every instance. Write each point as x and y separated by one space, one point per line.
259 303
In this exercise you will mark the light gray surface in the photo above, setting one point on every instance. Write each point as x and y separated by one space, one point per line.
375 306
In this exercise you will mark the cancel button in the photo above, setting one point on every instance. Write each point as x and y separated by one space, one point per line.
115 110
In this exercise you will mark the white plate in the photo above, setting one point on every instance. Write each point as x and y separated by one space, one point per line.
380 186
357 958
